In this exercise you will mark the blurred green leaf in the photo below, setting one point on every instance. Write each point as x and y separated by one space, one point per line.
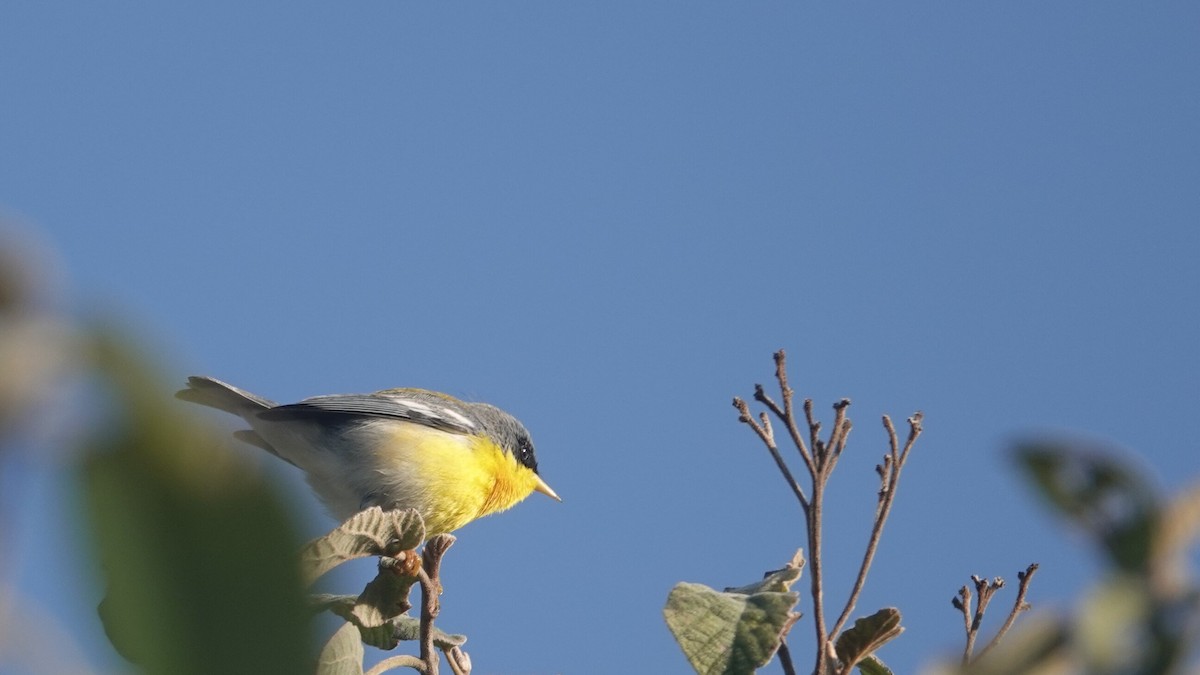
1109 624
198 554
727 633
343 654
868 634
1178 530
1103 496
373 532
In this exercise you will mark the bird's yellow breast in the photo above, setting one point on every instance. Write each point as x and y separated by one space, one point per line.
451 479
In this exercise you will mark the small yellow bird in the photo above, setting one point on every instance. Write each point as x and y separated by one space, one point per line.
451 460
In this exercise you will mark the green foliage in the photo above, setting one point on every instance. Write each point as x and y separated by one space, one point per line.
369 533
196 552
389 633
343 654
873 666
1141 618
735 631
868 634
1109 501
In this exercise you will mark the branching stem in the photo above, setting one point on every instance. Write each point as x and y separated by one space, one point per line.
431 589
820 456
1019 606
763 429
890 479
973 616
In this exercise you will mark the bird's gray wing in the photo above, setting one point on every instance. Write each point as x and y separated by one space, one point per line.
419 407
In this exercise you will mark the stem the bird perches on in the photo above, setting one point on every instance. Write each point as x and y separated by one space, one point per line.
820 456
431 589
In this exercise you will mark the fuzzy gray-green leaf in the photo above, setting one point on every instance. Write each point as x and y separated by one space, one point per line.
368 533
727 633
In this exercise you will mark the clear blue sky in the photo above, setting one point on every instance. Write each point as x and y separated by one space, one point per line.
604 218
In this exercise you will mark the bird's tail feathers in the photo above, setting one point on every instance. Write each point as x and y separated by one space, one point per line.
214 393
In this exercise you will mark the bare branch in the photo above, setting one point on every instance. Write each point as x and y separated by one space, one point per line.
837 438
893 441
962 602
814 426
785 654
816 573
785 659
890 478
1019 606
973 618
914 430
839 418
984 592
761 396
788 413
820 458
763 429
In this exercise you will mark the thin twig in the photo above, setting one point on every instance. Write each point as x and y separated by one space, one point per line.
1019 605
814 427
841 426
785 654
962 602
893 440
763 429
785 659
810 459
914 430
839 416
786 414
983 596
891 479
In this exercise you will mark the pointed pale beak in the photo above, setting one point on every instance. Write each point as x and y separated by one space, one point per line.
545 489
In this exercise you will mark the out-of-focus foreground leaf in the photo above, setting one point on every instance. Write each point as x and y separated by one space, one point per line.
1140 619
1103 496
38 347
198 554
1037 646
343 654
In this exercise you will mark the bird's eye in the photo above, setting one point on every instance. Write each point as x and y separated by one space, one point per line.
525 455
